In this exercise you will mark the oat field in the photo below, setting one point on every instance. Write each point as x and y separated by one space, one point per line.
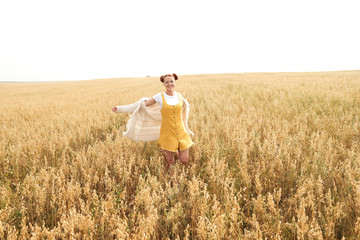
276 156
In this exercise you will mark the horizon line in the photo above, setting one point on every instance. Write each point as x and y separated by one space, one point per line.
91 79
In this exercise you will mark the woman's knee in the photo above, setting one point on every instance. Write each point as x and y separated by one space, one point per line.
184 156
169 156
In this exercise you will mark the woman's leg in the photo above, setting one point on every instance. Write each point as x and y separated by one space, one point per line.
169 156
184 156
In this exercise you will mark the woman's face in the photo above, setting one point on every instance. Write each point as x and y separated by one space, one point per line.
169 83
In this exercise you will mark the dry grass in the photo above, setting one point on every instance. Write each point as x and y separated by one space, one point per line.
277 156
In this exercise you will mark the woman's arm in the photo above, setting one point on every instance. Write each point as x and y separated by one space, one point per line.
150 101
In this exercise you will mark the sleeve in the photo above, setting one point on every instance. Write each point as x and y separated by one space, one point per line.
158 98
182 98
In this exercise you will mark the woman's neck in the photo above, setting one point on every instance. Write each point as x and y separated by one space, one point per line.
170 93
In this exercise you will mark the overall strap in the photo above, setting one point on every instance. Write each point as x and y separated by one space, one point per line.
180 101
163 99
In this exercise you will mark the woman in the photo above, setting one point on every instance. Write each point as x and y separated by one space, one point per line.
174 138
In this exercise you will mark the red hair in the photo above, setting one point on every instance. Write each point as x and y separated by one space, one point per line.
171 75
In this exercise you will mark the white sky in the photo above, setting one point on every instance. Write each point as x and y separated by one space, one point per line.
76 39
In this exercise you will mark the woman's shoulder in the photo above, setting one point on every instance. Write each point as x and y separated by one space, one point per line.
179 94
157 95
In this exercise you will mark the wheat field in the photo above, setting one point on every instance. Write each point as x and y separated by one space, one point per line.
276 156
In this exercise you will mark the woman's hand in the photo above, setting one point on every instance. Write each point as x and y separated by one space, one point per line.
114 109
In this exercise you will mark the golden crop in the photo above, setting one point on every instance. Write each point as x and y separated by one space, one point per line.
277 156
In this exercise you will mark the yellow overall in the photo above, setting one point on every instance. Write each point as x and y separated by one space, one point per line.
173 136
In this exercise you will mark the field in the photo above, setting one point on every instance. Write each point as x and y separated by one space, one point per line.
276 156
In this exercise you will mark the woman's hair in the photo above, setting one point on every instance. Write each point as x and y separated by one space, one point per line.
171 75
